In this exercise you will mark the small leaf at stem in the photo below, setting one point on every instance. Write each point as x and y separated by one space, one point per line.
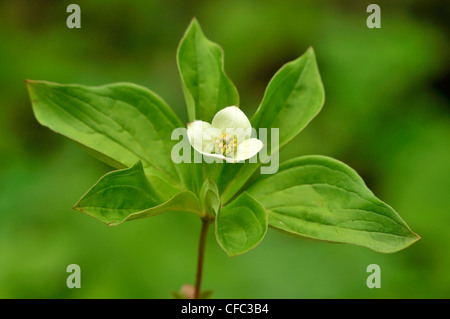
206 294
187 292
209 195
241 225
177 295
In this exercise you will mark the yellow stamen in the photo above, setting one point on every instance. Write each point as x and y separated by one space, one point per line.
225 145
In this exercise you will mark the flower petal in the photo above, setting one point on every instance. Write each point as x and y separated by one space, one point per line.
201 136
232 118
248 148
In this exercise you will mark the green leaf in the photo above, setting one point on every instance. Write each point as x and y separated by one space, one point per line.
206 87
177 295
321 198
292 99
209 196
127 194
206 294
119 123
241 225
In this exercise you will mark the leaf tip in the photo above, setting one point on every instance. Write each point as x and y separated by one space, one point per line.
194 23
235 254
310 51
417 237
228 252
29 82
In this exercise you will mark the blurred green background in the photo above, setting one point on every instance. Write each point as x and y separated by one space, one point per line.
386 114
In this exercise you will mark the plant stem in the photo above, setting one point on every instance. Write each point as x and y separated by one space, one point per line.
201 254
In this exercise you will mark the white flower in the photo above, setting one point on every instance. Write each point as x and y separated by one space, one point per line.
227 137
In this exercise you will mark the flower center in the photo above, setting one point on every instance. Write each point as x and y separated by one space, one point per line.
226 145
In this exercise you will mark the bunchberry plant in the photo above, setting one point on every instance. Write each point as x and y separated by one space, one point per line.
131 128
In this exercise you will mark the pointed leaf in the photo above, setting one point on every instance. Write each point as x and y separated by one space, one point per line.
127 194
292 99
321 198
119 123
206 87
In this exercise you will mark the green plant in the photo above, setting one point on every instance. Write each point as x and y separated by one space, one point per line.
131 128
